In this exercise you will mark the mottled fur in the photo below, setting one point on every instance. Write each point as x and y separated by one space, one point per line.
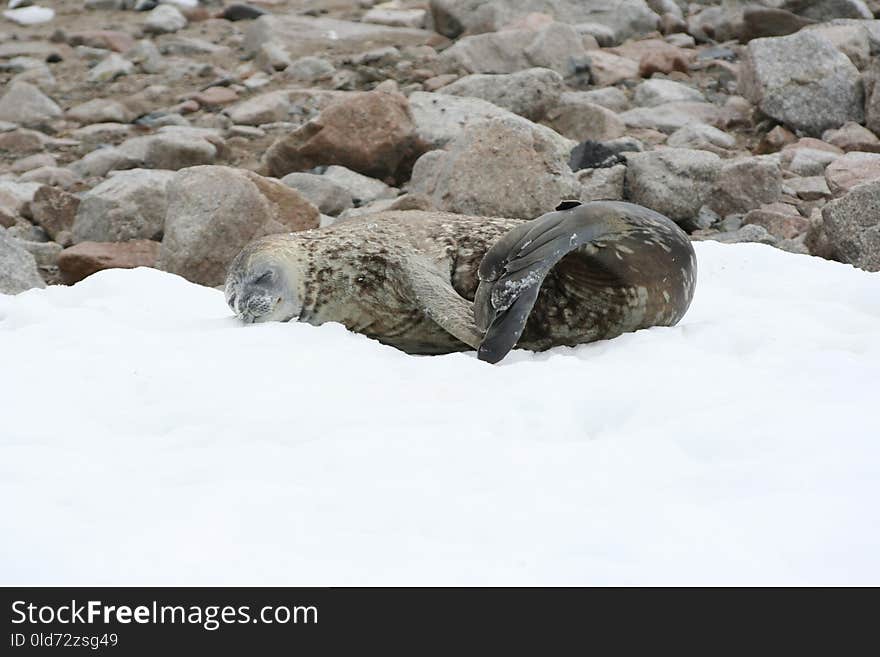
408 279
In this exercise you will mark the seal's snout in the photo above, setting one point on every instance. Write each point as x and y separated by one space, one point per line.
254 307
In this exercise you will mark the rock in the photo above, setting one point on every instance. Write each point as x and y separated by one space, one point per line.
775 140
671 117
651 93
100 110
299 36
853 137
806 161
580 120
440 118
624 18
111 67
31 162
215 97
45 253
264 108
823 10
673 181
18 269
21 141
170 149
84 259
852 225
129 205
373 133
760 22
501 167
242 12
26 105
330 199
591 154
607 68
396 17
529 93
558 47
310 69
362 189
852 169
778 219
214 211
665 61
602 184
811 188
608 97
164 19
31 15
803 81
851 40
751 233
105 39
52 176
54 211
744 185
702 137
872 97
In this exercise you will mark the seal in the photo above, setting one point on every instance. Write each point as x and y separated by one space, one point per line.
435 283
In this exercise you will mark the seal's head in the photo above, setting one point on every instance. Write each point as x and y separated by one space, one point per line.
263 285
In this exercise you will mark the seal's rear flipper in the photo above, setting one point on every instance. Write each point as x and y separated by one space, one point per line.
513 270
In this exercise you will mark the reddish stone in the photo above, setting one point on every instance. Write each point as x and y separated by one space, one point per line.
662 61
778 138
779 219
372 133
86 258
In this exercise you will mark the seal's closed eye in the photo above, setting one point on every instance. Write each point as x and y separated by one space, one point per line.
567 205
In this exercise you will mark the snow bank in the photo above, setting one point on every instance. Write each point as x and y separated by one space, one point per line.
148 438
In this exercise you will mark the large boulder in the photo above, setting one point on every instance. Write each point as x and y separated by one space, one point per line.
54 210
676 182
373 133
18 269
852 225
502 167
214 211
530 93
440 117
129 205
803 81
626 18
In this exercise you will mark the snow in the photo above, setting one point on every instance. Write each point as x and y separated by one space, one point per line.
148 438
31 15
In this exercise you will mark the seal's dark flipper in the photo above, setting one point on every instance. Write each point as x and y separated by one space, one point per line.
513 270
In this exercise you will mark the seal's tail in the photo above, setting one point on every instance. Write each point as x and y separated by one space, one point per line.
512 271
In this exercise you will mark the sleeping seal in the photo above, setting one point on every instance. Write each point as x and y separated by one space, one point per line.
434 283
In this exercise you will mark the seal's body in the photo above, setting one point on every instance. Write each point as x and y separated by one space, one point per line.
431 283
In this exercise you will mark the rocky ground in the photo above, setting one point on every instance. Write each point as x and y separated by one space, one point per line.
170 135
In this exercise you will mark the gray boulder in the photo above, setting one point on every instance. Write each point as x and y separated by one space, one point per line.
361 188
214 211
330 198
18 269
530 93
803 81
129 205
577 118
501 167
852 225
676 182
